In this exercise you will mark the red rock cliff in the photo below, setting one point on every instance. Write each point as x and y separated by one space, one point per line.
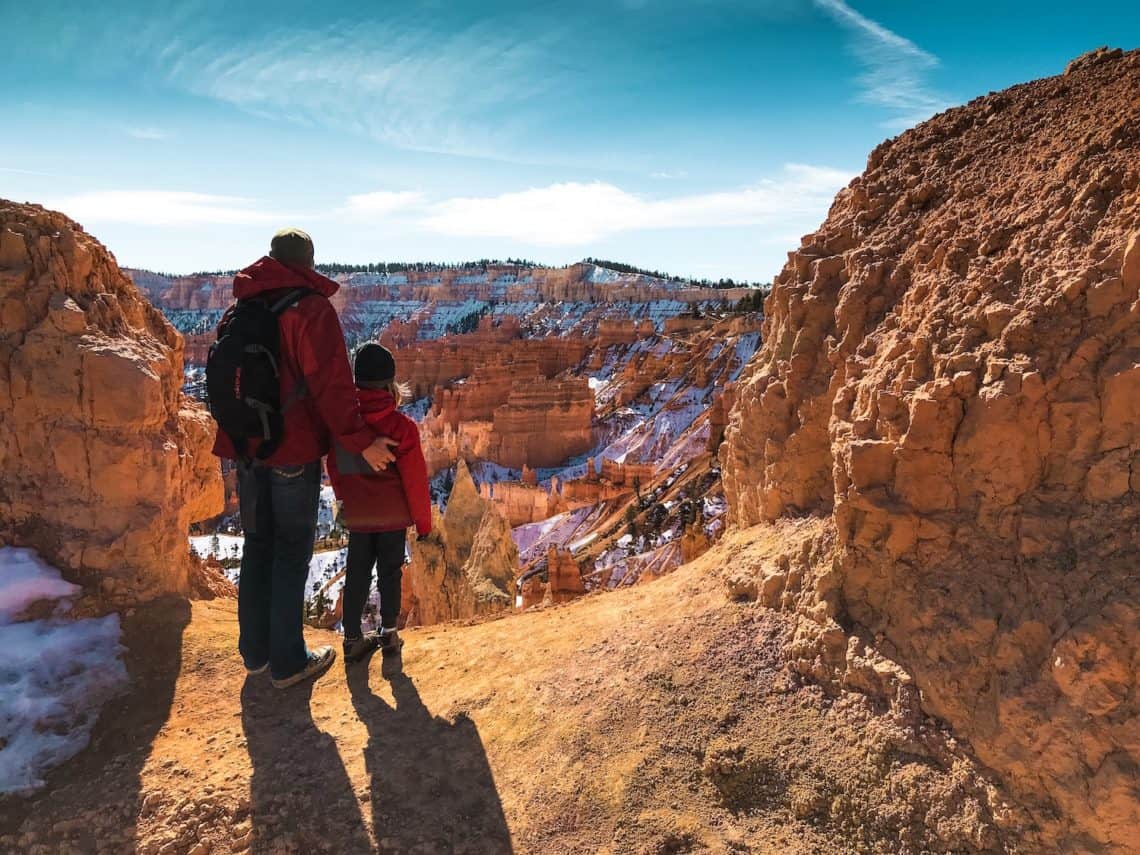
951 373
103 462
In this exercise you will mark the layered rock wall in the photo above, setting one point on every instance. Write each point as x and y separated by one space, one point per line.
103 462
543 423
951 374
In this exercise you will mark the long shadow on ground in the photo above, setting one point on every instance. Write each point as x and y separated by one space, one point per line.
94 798
432 787
301 798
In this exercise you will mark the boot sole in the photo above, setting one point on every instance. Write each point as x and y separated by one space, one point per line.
309 673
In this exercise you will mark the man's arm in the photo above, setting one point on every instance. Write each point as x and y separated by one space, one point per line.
323 361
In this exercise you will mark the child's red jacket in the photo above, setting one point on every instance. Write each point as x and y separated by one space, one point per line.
397 496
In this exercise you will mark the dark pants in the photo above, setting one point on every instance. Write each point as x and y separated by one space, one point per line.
279 516
385 551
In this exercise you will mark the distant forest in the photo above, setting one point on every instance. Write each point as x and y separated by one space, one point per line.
482 264
619 267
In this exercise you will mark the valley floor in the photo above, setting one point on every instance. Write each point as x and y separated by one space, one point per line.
659 719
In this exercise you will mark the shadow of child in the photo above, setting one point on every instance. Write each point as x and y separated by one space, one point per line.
301 798
432 787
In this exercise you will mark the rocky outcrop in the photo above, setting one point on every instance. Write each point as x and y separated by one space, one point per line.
951 376
103 463
508 412
466 567
543 423
564 578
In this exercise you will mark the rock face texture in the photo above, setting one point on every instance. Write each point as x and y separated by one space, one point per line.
466 567
509 412
103 462
951 374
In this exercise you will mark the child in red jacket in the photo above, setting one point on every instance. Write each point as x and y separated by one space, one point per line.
378 507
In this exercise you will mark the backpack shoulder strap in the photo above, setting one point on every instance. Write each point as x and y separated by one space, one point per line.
290 298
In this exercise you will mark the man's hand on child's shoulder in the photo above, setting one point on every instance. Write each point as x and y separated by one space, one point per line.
380 453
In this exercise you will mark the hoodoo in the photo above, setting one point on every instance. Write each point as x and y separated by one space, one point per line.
103 462
951 376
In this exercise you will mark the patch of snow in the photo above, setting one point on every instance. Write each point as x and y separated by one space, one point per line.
222 547
326 512
322 568
486 472
418 409
55 673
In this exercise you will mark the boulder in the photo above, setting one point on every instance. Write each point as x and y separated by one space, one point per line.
104 463
950 377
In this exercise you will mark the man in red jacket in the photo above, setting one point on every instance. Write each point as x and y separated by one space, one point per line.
280 496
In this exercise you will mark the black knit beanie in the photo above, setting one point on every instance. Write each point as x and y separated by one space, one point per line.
374 364
292 246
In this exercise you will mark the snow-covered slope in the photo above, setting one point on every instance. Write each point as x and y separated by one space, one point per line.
55 672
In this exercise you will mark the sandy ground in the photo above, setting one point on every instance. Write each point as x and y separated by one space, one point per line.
659 719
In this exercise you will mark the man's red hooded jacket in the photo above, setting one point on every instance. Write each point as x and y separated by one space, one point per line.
313 352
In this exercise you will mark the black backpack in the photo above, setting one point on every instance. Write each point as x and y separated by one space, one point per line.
243 386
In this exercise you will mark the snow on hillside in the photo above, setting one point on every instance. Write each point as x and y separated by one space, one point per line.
535 539
322 567
55 673
326 512
220 546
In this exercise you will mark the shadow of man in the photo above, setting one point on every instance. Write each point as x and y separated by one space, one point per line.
432 787
301 798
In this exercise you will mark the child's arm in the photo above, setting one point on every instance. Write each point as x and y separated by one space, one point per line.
413 474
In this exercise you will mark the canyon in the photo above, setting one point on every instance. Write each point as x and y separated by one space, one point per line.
891 534
571 396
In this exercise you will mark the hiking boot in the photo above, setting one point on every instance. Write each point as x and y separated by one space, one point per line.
319 662
390 642
261 669
356 649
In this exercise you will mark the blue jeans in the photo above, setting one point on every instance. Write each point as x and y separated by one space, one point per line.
279 515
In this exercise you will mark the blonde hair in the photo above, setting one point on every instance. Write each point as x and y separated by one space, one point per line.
401 392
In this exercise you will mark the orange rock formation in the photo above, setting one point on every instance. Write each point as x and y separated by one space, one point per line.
564 579
951 374
103 463
467 565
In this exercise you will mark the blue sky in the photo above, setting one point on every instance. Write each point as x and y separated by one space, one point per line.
700 137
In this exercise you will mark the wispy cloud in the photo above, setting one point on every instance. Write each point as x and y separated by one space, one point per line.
162 208
147 133
894 68
395 81
572 213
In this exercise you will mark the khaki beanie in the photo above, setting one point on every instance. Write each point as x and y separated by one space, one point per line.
292 246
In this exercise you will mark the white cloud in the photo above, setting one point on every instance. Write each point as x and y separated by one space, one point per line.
564 214
162 208
383 202
578 213
894 67
148 133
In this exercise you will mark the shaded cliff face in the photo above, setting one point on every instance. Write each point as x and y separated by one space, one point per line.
951 372
103 462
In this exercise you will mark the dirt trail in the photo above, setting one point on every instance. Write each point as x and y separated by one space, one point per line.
657 719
